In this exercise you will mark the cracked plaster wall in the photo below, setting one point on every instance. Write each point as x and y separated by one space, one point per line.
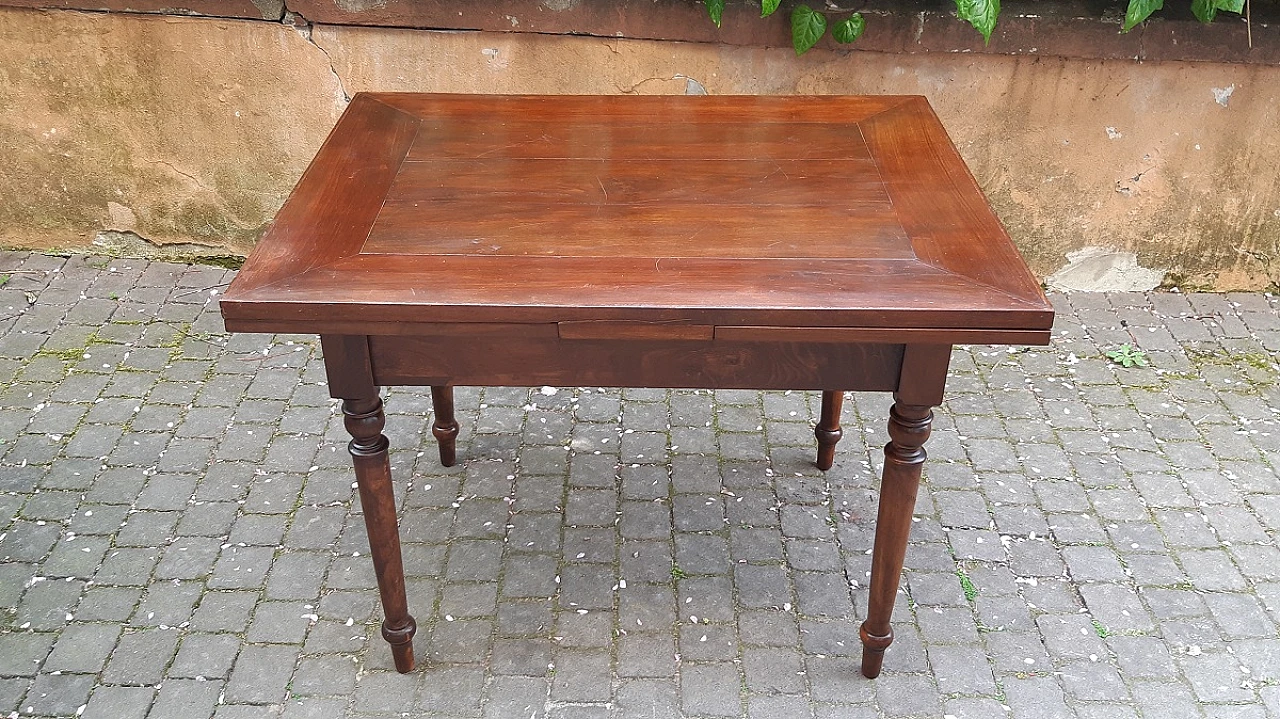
188 130
179 130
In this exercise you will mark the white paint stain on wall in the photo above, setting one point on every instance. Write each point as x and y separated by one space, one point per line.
1098 269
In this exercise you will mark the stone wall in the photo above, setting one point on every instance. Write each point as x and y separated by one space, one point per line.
163 134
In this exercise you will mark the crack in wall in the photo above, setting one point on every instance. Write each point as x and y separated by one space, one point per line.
1270 264
691 86
303 27
187 175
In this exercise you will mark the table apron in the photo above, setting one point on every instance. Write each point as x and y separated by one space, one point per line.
526 361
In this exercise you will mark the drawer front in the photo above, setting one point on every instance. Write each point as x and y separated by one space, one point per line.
485 360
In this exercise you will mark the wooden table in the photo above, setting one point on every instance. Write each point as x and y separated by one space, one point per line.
813 243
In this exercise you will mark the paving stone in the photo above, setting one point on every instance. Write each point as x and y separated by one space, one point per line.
460 641
224 611
516 696
961 670
590 545
769 670
648 697
57 694
1035 698
646 607
756 545
185 699
141 657
147 529
710 689
82 648
188 558
525 618
1117 607
107 604
260 674
581 676
971 708
781 706
385 692
1094 563
241 568
947 625
1016 652
115 702
822 594
296 575
27 541
48 604
1261 657
528 657
1239 615
469 600
768 628
762 587
1215 677
1093 681
587 587
839 638
584 629
1212 570
205 655
646 656
1070 637
907 695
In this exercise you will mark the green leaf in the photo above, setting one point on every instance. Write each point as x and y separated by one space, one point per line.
1138 11
966 584
1204 10
807 28
981 14
767 7
849 29
1207 10
715 8
1128 356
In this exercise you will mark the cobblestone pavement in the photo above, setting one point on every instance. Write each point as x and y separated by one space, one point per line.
179 536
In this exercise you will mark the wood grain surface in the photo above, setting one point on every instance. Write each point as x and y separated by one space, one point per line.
760 211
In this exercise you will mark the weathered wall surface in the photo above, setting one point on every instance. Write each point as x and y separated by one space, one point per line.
178 130
193 130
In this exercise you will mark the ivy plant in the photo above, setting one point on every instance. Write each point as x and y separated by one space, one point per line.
809 25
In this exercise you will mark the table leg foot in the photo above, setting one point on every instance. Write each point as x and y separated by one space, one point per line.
903 463
445 426
364 420
873 651
401 641
828 430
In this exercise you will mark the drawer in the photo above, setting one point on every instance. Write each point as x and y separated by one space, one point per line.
633 362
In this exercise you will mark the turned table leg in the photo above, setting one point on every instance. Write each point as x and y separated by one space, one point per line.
903 461
364 421
920 388
445 426
828 430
